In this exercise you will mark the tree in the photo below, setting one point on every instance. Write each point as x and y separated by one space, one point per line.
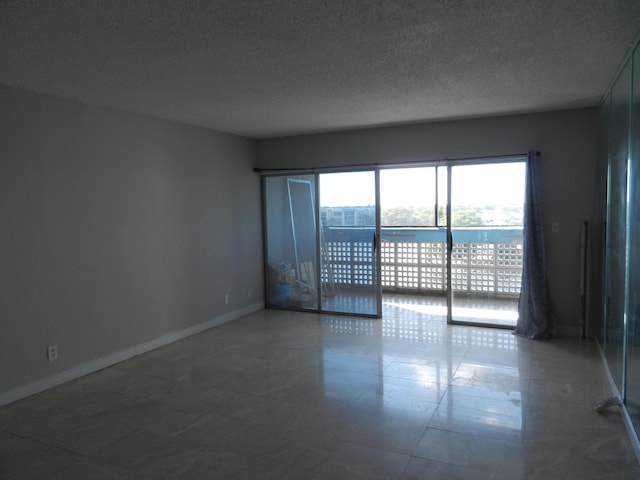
407 216
466 217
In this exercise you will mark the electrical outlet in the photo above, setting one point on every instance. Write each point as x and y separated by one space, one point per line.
52 353
226 298
555 227
249 294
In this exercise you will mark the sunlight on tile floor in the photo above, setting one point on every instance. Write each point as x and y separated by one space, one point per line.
287 395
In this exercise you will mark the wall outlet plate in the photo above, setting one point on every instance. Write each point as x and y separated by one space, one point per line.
52 353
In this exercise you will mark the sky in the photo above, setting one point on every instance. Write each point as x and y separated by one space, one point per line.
489 184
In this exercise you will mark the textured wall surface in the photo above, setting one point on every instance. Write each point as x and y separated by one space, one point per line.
283 68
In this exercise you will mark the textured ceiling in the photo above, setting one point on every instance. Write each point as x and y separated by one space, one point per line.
272 68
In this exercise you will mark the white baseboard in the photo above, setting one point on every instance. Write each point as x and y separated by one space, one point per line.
113 358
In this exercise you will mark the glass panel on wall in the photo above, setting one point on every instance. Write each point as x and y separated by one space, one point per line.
486 234
616 228
348 239
291 243
603 160
633 287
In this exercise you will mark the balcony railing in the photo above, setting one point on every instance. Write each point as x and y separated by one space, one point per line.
485 261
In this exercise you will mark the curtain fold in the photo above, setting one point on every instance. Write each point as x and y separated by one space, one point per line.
534 312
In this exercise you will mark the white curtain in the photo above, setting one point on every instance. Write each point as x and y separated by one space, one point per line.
534 312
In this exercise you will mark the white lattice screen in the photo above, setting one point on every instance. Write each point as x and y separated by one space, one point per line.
490 268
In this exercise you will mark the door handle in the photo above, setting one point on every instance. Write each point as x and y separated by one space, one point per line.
450 242
375 242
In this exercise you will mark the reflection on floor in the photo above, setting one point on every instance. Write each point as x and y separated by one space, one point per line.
501 312
290 395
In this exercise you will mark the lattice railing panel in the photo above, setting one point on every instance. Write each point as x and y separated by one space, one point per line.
482 254
484 268
482 280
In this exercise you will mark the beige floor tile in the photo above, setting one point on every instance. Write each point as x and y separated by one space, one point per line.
347 461
280 394
22 458
421 469
471 451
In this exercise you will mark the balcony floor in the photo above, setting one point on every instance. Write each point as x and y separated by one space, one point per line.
481 311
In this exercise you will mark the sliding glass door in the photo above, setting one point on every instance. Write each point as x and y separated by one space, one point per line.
324 244
616 242
349 242
291 242
632 399
485 218
620 330
321 239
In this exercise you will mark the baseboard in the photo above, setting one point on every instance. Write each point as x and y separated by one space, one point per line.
119 356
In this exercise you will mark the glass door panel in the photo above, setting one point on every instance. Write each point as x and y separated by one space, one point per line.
348 238
598 327
408 197
485 235
616 229
291 246
413 215
632 399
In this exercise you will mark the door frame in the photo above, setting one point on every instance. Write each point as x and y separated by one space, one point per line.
448 163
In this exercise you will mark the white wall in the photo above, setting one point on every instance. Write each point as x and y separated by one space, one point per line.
116 229
567 140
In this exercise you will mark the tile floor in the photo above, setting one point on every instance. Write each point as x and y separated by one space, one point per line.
287 395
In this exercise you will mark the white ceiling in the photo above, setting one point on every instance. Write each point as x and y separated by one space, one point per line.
268 68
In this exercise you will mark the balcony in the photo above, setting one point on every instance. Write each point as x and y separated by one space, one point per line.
486 264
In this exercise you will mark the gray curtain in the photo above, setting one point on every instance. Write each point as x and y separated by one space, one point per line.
534 312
